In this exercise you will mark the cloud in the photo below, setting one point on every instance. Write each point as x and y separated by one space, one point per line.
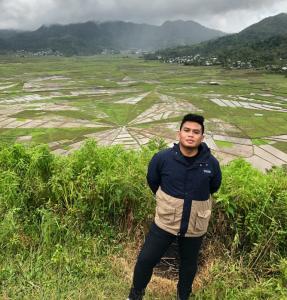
227 15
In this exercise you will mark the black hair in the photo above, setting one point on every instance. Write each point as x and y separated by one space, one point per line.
193 118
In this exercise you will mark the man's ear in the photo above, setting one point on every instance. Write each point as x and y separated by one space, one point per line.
177 135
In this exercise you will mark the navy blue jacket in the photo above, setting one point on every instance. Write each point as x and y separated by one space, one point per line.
170 170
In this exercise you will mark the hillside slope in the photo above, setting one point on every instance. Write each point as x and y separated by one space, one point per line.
90 37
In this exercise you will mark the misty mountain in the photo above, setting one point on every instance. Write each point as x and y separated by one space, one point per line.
267 28
90 37
263 42
7 33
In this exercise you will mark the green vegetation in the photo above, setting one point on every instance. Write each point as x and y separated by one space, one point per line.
260 44
115 78
67 222
26 114
259 142
70 226
281 146
63 215
46 135
93 38
231 49
224 144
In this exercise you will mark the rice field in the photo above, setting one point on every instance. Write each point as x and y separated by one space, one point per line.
129 101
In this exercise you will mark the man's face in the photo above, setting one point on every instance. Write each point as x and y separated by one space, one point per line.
190 135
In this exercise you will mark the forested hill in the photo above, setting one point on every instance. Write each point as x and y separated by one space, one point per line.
260 43
268 27
90 37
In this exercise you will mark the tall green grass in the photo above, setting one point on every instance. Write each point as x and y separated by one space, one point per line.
253 209
63 218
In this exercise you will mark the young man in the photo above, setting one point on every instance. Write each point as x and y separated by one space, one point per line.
182 178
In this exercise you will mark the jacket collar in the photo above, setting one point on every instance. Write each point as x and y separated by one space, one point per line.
204 153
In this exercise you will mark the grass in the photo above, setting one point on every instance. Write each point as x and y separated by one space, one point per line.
259 142
47 135
281 146
71 227
224 144
34 114
181 82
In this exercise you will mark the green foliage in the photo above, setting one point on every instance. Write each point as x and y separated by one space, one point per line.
224 144
58 214
24 174
231 49
229 279
92 190
63 218
261 44
10 231
255 213
106 184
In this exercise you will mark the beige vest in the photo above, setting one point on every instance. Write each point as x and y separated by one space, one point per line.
169 212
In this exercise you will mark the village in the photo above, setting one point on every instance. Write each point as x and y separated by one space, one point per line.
198 60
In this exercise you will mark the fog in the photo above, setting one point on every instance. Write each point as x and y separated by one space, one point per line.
224 15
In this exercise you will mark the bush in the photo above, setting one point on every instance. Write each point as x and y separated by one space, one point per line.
56 212
251 213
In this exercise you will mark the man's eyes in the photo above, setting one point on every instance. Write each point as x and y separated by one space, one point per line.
194 131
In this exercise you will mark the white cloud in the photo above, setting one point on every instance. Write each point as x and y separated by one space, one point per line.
226 15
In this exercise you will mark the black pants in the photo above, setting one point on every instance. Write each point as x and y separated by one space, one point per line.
156 244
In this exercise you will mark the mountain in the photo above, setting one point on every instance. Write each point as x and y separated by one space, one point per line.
7 33
260 43
185 32
268 27
90 37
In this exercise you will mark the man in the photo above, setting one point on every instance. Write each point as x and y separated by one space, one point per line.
182 178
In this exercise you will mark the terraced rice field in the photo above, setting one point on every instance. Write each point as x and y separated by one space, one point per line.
128 101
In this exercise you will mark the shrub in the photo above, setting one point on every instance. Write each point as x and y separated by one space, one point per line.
251 212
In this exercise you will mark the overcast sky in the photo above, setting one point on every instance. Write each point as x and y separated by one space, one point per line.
225 15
